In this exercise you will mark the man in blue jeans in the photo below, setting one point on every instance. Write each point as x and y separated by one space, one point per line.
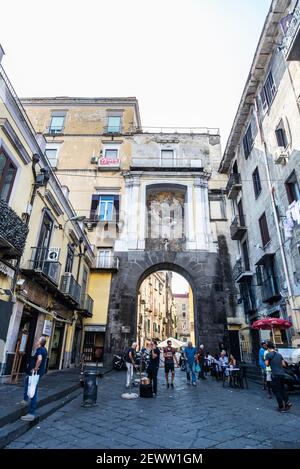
37 364
190 354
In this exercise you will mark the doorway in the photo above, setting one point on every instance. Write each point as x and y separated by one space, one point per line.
28 324
56 346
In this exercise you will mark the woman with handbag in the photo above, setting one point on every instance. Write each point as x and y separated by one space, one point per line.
190 354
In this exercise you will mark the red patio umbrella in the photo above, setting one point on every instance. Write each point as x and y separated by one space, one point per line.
270 323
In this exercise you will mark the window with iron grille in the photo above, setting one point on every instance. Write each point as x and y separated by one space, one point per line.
248 142
256 182
264 231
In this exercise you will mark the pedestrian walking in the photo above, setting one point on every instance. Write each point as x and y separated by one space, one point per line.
169 356
277 364
201 361
190 355
37 364
130 363
265 371
153 366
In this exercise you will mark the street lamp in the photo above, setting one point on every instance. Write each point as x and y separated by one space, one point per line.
75 218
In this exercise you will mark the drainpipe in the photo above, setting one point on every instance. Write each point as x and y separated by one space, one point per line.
279 234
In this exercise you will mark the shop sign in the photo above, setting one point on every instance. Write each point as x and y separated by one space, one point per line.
95 328
47 329
4 269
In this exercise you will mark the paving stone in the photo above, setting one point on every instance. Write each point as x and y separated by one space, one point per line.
209 416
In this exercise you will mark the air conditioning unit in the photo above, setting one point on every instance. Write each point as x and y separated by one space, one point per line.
281 156
53 254
94 159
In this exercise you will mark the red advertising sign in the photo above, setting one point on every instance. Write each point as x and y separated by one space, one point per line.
109 162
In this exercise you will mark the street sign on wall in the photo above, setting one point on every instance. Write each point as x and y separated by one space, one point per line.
47 329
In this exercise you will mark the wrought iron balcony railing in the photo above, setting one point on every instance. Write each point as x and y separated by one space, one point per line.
106 261
69 287
269 290
86 305
240 271
291 40
234 185
13 232
43 265
237 228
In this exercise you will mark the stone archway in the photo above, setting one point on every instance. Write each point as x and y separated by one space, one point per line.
201 269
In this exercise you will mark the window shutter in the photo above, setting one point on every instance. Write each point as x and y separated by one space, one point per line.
94 207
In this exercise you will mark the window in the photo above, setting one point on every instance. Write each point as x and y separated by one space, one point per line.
183 315
264 232
105 208
111 154
268 92
7 176
248 142
114 124
217 206
52 153
256 182
245 255
70 259
183 307
281 135
292 188
148 325
104 258
259 279
167 158
57 122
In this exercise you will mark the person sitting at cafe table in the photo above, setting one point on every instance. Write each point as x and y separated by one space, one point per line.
232 361
223 360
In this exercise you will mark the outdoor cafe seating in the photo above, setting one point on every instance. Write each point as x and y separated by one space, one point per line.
235 376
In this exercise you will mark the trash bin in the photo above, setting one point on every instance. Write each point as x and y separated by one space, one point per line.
90 388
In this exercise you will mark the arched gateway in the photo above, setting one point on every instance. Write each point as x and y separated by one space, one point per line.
202 270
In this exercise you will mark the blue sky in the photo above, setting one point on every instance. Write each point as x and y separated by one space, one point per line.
186 61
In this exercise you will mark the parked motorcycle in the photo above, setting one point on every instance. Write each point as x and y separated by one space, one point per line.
292 376
119 362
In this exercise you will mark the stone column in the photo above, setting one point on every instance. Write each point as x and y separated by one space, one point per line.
143 218
133 213
202 221
121 244
189 219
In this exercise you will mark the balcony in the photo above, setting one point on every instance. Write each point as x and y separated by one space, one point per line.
240 272
234 185
70 288
13 232
291 41
269 290
237 229
43 267
86 305
106 261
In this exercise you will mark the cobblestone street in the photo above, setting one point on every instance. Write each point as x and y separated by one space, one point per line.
207 416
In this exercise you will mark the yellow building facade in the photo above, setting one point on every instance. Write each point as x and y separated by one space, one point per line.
45 255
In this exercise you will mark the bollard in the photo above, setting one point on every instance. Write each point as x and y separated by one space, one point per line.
90 388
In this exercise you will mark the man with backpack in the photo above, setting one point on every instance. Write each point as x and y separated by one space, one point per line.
130 363
276 362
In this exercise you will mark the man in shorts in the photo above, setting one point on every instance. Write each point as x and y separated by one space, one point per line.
169 356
